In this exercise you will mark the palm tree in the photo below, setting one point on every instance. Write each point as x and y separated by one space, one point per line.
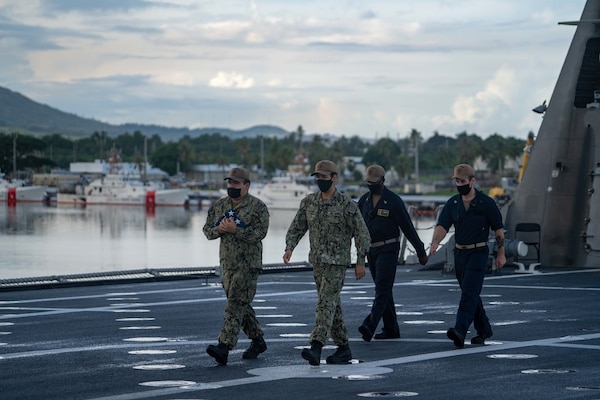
469 147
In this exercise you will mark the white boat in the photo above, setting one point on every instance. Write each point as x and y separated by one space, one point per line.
17 191
281 193
120 189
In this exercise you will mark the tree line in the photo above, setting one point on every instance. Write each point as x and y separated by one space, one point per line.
437 154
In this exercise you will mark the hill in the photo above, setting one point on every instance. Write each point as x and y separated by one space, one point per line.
19 113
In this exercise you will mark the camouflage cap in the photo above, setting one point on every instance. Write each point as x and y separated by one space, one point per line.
463 171
374 173
239 175
325 167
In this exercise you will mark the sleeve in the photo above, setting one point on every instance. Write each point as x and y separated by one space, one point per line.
210 230
362 238
361 203
444 219
259 225
405 223
298 227
494 215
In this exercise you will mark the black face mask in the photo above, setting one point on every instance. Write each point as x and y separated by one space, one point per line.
463 189
324 185
234 193
376 189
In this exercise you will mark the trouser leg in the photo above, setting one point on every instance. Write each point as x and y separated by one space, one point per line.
371 264
481 322
470 269
329 319
240 288
383 306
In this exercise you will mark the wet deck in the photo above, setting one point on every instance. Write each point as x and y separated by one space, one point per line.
148 340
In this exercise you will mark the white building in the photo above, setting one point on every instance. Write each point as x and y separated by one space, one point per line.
103 167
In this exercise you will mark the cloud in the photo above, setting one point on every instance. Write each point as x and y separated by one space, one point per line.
289 105
329 113
545 16
369 14
61 6
346 67
231 80
485 104
176 78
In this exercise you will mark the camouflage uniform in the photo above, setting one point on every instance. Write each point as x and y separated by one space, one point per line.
331 224
240 255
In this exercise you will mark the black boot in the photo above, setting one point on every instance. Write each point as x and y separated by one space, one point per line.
219 352
366 332
457 337
313 355
257 346
341 356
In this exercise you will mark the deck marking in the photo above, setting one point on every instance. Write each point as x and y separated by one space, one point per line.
270 374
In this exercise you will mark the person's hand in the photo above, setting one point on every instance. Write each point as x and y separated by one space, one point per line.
359 271
432 249
286 256
221 227
227 225
423 260
500 260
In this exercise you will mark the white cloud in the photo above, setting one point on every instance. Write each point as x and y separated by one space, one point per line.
342 67
328 113
403 123
231 80
225 30
289 105
176 79
545 16
481 107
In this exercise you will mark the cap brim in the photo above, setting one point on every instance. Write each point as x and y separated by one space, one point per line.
233 179
320 173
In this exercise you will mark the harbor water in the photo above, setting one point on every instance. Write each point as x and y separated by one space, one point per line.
38 240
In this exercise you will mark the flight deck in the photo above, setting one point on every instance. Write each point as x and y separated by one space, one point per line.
147 340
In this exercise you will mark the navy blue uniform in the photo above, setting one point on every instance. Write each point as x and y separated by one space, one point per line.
471 226
384 221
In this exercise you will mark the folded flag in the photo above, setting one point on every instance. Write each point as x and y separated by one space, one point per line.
227 214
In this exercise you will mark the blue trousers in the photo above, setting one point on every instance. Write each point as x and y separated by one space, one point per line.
470 267
382 265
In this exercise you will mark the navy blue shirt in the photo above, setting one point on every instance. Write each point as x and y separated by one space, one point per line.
387 217
472 225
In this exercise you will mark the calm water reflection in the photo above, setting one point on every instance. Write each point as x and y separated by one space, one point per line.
40 241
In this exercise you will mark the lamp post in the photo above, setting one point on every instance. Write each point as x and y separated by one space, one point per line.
14 155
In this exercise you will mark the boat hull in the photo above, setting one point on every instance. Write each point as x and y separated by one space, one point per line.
281 193
23 194
161 198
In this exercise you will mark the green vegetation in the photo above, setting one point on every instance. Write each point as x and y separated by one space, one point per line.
22 152
437 154
47 138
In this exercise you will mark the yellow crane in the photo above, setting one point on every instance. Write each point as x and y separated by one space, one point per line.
526 152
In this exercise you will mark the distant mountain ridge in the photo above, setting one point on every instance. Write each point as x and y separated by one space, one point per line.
19 113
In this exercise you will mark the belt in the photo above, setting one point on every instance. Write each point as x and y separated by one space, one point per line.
378 244
470 246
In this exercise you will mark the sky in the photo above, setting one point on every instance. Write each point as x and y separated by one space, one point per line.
377 68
